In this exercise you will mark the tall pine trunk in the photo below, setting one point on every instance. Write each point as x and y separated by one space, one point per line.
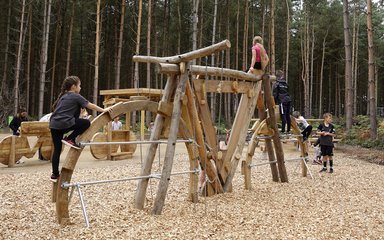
44 55
148 114
69 45
272 50
120 45
136 75
288 34
213 95
18 60
5 70
97 51
371 76
348 68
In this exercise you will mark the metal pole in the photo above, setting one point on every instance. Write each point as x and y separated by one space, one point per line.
83 205
260 164
82 144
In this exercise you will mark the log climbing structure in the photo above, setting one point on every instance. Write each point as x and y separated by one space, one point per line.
183 109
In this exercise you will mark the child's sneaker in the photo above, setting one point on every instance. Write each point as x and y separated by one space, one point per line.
54 178
331 170
70 143
323 170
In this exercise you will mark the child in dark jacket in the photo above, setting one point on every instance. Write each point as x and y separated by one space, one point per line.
17 120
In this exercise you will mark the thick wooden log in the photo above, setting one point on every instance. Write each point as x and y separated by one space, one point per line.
207 166
187 132
186 57
170 150
245 112
273 124
225 86
210 135
268 142
148 92
246 169
225 73
34 128
151 152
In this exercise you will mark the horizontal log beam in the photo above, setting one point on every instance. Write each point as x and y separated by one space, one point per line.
168 68
222 86
186 57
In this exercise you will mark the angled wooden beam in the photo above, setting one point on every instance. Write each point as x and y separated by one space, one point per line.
186 57
170 150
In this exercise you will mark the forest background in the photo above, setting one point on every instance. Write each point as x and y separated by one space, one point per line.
331 51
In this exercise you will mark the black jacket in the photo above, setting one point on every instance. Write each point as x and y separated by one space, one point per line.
16 123
280 91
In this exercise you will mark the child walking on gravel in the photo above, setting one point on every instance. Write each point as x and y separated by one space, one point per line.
327 132
66 118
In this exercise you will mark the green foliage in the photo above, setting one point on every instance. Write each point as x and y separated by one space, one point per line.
359 134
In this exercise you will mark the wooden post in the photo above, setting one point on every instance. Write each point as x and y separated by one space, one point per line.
170 151
151 152
273 124
109 139
12 152
268 142
207 166
192 154
240 128
142 121
303 147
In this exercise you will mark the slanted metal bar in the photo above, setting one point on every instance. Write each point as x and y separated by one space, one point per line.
260 164
135 142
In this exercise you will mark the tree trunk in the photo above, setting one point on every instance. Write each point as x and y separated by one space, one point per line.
348 68
136 76
227 98
195 21
272 62
5 71
44 55
213 95
371 77
178 27
28 67
321 77
245 36
57 34
148 114
18 60
97 51
311 78
288 34
70 39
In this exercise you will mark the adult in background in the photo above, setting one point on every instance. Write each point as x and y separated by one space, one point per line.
282 98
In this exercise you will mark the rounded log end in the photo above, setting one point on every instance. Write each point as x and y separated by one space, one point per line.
227 43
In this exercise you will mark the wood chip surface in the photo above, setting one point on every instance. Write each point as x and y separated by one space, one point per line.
348 204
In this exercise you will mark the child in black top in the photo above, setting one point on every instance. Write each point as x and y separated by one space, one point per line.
17 120
66 118
327 132
282 98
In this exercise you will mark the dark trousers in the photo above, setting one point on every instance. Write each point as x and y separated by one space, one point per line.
307 132
57 135
285 116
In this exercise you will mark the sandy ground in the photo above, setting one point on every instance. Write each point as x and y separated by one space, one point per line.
347 204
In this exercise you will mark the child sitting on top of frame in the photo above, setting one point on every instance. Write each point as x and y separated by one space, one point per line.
305 128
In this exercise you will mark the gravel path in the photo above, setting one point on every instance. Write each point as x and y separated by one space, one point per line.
348 204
